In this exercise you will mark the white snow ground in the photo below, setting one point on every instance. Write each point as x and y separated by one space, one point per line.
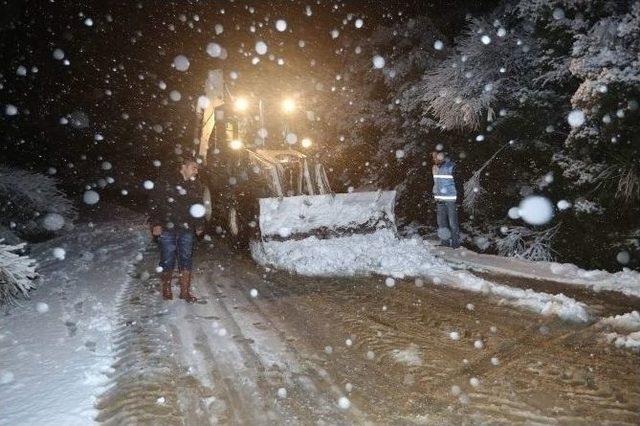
55 348
626 281
384 254
626 330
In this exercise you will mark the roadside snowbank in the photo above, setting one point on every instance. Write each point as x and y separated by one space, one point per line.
383 253
56 347
625 281
379 253
627 330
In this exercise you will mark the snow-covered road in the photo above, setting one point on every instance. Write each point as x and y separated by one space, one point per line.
269 347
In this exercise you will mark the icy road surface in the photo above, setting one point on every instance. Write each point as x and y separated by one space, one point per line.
273 348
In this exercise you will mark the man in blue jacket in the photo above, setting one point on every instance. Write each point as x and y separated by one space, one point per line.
444 192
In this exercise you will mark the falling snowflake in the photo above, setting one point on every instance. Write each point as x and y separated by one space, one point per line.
291 138
378 62
53 222
59 253
623 257
197 210
261 48
576 118
344 403
10 109
175 96
181 63
214 50
90 197
281 25
536 210
58 54
558 14
42 307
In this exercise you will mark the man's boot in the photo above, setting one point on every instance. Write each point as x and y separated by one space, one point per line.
185 287
165 279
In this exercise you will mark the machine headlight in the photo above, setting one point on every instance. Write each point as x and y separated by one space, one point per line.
236 144
241 104
306 143
288 105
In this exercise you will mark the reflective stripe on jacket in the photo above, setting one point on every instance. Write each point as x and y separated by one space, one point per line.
444 187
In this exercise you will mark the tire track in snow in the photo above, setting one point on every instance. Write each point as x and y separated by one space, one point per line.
314 402
346 305
146 384
542 377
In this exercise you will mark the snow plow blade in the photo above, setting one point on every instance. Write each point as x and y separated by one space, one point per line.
326 216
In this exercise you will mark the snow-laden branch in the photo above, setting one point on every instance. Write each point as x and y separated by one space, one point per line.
32 203
17 273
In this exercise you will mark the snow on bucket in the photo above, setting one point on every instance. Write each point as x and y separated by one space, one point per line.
326 216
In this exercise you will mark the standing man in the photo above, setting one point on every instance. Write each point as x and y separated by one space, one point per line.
444 192
176 219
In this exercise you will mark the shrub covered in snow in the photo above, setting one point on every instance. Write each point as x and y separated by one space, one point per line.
17 273
526 243
31 204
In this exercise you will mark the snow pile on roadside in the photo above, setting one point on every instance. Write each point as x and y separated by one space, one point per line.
626 281
627 330
56 347
378 253
542 303
383 253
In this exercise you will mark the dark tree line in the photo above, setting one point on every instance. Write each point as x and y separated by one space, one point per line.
532 98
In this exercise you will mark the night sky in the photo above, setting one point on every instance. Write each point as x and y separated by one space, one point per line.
120 52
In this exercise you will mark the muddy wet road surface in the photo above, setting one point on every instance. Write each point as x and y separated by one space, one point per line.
266 347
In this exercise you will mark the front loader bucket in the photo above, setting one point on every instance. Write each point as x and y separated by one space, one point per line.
326 216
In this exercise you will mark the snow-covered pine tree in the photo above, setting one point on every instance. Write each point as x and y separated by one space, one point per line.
483 75
31 204
17 274
367 112
389 142
606 61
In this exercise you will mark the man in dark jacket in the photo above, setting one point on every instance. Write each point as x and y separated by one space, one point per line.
176 219
445 194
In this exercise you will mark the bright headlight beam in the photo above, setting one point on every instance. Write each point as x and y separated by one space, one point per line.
306 143
235 144
288 105
241 104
